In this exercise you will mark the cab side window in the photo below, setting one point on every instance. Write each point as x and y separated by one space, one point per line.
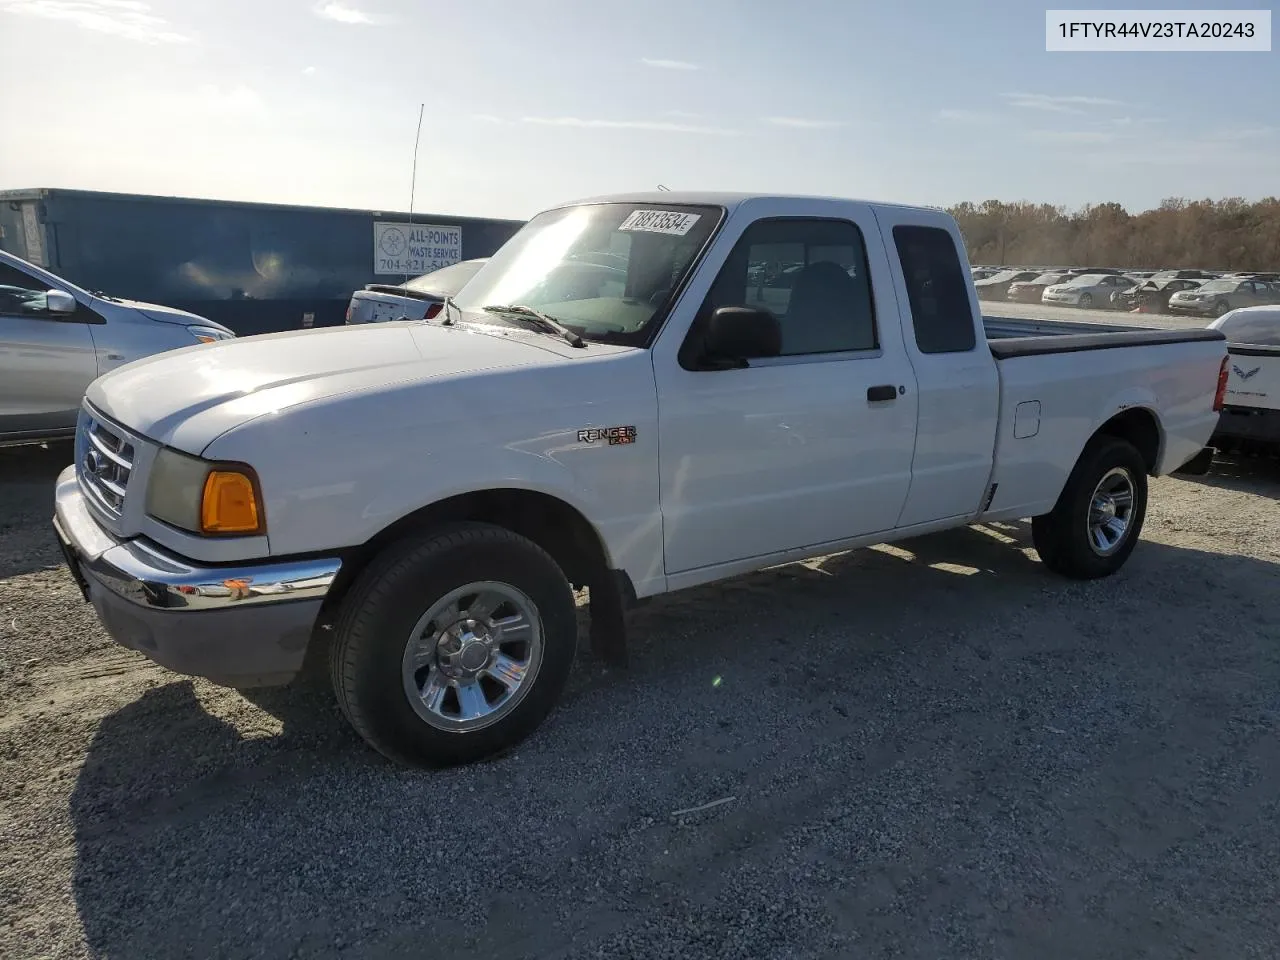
936 289
811 274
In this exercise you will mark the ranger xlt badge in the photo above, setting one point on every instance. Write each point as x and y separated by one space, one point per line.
614 435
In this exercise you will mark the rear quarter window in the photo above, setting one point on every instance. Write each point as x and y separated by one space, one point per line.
937 291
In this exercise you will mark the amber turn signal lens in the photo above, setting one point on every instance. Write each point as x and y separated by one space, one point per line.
230 504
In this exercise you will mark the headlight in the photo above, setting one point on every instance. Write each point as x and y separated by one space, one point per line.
210 334
215 499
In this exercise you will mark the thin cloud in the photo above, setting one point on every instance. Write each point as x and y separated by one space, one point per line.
1245 133
1059 104
1205 153
669 64
308 71
804 123
487 118
1071 136
658 126
339 12
966 116
683 114
127 19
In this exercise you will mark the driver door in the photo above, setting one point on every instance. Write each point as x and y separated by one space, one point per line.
810 447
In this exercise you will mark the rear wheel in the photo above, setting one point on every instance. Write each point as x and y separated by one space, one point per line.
454 647
1098 518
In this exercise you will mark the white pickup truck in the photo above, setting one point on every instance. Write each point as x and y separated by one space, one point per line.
1251 410
635 395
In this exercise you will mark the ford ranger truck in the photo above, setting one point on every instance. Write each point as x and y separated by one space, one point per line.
637 394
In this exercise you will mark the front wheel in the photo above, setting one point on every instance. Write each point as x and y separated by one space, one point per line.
1098 517
1086 300
1220 308
455 646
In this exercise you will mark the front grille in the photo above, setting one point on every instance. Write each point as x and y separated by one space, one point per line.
105 461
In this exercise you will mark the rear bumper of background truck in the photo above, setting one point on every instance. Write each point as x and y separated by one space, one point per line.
245 625
1256 424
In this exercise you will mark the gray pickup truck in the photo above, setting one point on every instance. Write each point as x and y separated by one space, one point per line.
56 339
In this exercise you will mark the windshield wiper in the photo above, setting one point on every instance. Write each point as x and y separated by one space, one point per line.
547 324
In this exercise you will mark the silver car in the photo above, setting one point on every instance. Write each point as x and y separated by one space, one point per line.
1216 297
55 339
1088 290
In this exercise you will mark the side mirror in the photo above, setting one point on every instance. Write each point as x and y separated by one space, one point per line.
60 302
735 335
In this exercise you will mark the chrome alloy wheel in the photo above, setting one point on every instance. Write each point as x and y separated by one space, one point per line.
1111 511
472 656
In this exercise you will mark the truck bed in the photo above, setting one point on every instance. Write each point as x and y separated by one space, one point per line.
1012 337
1060 379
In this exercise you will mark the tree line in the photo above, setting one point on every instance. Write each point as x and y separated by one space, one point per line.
1230 234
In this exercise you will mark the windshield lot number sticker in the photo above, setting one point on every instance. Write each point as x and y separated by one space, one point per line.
661 221
611 435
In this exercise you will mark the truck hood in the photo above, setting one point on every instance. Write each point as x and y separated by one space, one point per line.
187 398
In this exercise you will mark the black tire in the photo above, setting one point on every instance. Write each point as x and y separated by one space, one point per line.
1063 537
1221 307
398 588
1086 301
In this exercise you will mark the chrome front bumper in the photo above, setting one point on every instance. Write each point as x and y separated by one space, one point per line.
240 625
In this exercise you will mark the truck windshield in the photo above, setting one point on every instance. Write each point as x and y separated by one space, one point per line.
604 270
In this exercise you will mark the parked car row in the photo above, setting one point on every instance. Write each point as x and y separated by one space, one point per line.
1195 292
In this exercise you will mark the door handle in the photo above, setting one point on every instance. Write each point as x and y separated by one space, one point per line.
885 391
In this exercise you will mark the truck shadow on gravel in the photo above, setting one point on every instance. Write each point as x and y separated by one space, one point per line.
937 749
27 476
1244 474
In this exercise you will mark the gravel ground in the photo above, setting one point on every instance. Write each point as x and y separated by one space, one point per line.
934 750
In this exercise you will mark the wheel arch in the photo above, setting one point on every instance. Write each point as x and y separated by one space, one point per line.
1139 426
549 521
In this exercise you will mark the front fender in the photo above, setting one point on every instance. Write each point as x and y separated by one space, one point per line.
337 474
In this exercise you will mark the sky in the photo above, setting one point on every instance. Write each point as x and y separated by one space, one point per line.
531 104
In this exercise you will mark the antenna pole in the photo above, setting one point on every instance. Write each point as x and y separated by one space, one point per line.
413 183
413 180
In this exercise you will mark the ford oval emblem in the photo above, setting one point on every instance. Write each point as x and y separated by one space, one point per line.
94 463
